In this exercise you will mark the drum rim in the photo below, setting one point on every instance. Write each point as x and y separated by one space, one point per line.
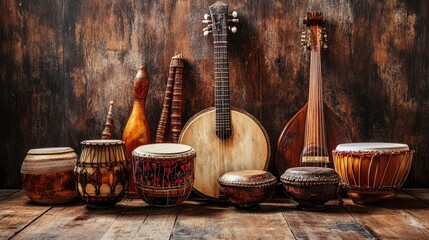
372 147
49 150
101 142
181 149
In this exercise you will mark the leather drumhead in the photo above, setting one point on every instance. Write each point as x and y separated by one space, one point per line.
162 149
372 146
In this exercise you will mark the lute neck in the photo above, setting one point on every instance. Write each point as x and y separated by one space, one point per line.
315 151
221 77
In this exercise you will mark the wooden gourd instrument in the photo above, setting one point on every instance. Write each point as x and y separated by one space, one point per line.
310 136
136 131
225 138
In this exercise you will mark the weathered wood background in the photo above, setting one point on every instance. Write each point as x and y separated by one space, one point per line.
63 61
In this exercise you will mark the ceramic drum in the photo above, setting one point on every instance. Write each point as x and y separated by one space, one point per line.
372 172
164 173
47 175
102 175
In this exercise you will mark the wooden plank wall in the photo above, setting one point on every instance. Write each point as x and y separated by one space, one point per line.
62 62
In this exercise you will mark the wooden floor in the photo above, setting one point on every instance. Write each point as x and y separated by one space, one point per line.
405 218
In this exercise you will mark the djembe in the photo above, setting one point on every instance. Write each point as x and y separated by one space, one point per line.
102 176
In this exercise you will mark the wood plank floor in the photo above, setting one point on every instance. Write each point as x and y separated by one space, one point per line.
407 217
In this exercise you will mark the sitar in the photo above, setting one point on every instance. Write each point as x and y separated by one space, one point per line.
225 138
310 136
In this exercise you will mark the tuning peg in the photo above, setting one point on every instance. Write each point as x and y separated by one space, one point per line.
232 29
208 28
234 20
206 16
234 14
207 32
207 21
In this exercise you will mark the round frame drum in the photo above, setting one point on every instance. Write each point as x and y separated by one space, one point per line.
164 173
102 175
372 172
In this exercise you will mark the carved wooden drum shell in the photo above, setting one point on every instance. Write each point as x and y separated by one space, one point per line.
247 187
311 187
372 172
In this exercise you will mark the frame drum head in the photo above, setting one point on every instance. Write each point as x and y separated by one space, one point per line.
161 149
372 147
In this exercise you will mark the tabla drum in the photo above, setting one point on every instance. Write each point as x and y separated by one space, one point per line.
372 172
47 175
102 175
164 173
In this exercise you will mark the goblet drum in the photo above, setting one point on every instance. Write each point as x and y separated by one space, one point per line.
372 172
247 188
102 175
311 187
164 173
47 175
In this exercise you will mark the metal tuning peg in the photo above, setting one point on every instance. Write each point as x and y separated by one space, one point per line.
233 17
233 29
207 32
207 19
324 38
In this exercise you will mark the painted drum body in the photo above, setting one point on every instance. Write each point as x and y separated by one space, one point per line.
164 173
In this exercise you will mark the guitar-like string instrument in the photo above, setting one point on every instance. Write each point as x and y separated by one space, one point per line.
225 138
310 136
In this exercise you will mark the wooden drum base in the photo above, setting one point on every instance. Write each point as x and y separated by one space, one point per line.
367 197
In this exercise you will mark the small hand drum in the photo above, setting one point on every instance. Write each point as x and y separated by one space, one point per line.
372 172
311 187
247 188
164 173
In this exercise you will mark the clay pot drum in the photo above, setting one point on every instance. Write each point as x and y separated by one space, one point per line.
47 175
247 188
311 187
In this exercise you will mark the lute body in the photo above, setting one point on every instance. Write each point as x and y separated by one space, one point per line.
225 139
310 136
246 148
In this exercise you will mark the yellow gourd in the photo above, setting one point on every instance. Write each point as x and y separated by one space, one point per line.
136 132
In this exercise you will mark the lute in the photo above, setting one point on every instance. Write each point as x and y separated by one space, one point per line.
310 136
225 138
